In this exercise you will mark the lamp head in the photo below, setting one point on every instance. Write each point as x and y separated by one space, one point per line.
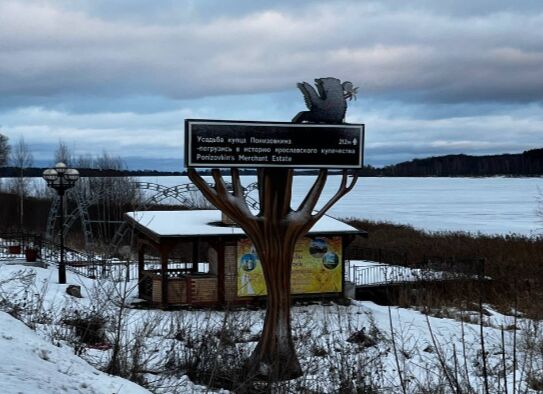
71 175
61 168
50 175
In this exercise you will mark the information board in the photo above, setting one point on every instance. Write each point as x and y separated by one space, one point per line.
216 143
317 267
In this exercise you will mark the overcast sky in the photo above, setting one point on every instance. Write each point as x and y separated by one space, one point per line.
435 77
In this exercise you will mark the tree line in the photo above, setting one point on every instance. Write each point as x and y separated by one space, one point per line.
37 172
527 163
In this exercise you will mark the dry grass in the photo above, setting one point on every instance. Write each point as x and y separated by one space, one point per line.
514 262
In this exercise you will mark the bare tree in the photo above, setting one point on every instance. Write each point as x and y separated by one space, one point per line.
274 231
63 153
22 159
4 153
97 203
4 150
109 196
84 161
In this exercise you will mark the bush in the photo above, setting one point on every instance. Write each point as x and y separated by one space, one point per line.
89 328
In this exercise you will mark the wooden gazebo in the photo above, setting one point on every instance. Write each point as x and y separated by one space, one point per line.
204 259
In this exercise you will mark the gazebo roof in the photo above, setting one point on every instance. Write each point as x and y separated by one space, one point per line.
207 223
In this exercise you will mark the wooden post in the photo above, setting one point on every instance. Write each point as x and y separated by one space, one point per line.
141 266
188 286
195 254
220 271
164 256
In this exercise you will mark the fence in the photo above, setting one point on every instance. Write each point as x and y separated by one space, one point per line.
433 269
20 245
14 245
392 274
377 275
452 264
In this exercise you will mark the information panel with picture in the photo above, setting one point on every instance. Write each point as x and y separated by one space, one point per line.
316 267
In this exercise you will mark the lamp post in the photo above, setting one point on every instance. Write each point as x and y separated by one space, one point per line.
61 178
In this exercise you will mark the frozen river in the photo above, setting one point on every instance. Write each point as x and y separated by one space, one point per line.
486 205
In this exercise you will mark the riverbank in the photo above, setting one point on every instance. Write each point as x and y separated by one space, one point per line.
514 262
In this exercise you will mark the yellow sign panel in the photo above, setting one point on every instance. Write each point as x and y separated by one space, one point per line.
316 267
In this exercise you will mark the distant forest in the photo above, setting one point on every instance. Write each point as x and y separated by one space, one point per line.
527 163
7 172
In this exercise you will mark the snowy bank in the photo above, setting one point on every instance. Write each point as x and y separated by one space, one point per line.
31 364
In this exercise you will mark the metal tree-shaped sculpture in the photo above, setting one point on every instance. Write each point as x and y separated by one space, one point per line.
276 228
274 231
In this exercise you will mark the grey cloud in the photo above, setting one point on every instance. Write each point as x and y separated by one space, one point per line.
435 77
412 53
470 8
175 11
390 136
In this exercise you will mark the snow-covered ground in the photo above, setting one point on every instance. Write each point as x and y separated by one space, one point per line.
364 343
32 364
495 205
43 360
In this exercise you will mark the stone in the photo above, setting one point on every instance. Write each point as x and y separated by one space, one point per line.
74 291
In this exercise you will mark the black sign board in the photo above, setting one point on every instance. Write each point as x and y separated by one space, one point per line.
219 143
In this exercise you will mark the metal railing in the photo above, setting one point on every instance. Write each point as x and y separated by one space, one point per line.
378 275
14 245
464 265
390 274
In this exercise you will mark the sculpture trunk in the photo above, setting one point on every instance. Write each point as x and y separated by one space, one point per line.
274 356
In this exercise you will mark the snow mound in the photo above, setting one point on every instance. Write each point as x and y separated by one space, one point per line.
32 365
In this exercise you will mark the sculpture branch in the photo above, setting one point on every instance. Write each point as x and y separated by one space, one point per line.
236 183
288 191
204 187
233 206
312 197
220 186
342 190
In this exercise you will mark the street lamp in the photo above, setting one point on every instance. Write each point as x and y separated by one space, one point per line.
61 178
